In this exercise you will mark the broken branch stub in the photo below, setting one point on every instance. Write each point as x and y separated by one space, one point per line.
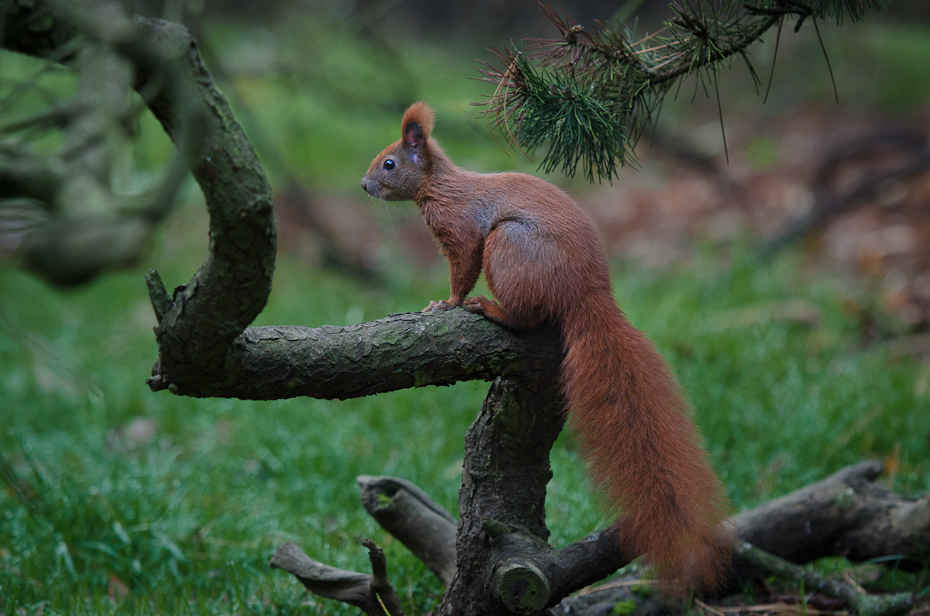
373 594
409 515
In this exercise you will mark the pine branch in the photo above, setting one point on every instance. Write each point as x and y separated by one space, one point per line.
588 96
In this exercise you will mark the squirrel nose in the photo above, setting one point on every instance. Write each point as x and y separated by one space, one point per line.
365 184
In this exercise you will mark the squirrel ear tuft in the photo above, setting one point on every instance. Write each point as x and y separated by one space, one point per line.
417 124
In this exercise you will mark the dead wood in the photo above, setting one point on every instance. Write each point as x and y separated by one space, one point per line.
846 514
407 513
373 594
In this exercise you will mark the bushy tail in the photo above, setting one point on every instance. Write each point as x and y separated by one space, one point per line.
643 452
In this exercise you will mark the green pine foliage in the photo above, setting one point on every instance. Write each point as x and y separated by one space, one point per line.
588 96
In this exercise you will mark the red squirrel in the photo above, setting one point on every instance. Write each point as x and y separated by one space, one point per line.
543 262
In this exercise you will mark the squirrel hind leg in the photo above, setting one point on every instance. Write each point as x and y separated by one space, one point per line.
525 270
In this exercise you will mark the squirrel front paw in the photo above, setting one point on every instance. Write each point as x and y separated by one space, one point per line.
438 305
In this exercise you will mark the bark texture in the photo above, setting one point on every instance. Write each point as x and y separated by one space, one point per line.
232 285
502 533
396 352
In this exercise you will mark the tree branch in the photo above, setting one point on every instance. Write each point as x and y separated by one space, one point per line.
232 285
397 352
846 514
407 513
373 594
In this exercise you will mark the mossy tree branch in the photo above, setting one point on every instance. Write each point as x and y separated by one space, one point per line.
393 353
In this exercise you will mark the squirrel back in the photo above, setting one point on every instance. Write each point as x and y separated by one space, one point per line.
543 262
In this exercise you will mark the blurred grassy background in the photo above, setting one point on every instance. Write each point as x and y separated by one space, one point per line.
119 500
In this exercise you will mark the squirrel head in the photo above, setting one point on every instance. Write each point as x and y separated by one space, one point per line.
400 171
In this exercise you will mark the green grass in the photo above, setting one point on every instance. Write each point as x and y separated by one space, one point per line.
186 523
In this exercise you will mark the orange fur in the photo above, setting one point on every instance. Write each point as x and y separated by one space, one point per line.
543 263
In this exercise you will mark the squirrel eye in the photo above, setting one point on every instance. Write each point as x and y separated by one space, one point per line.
388 164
